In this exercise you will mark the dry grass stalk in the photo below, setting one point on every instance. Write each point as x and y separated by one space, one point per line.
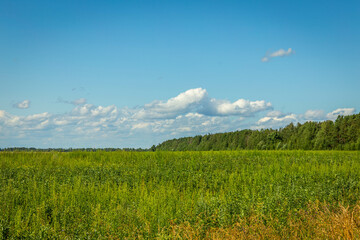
317 221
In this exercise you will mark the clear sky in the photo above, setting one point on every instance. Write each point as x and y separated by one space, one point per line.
135 73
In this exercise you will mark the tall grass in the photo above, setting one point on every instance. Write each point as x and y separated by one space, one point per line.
121 195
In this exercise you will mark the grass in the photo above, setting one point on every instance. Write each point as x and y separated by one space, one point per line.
167 195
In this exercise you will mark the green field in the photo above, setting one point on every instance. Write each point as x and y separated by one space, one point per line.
167 195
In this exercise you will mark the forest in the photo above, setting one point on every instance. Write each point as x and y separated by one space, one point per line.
341 134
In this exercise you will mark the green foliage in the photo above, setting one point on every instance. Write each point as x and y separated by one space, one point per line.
118 195
343 134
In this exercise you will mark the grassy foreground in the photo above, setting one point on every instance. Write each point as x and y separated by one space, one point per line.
175 195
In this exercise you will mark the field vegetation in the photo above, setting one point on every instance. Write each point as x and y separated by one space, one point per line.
180 195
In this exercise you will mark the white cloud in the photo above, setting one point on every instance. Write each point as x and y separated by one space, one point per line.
2 114
239 107
60 122
312 115
140 125
39 116
278 53
340 111
281 53
275 113
22 105
275 119
79 101
198 101
190 113
183 103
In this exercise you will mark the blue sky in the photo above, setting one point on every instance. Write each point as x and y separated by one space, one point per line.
135 73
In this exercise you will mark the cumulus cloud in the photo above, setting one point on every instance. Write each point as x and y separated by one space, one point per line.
198 101
340 111
22 105
278 53
275 119
183 103
239 107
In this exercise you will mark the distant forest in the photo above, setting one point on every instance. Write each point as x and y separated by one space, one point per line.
343 134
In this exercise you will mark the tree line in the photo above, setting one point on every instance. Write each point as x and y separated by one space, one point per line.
341 134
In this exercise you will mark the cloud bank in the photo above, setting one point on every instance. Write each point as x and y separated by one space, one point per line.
189 113
278 53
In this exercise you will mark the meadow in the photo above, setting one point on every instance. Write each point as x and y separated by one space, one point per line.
180 195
